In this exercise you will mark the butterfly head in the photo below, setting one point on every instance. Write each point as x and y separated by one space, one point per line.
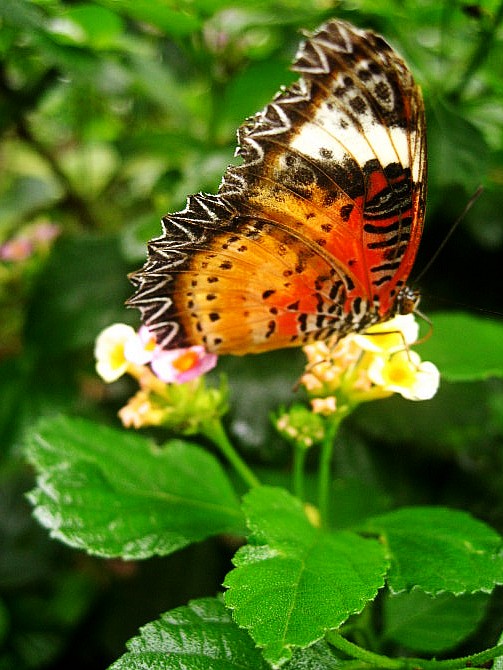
407 301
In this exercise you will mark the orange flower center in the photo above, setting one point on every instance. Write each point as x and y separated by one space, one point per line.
151 344
186 361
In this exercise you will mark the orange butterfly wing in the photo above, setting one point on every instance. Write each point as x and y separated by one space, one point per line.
315 233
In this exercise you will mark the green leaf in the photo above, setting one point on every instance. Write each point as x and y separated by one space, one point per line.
115 493
438 549
200 635
102 27
293 582
22 14
465 347
429 624
458 151
159 14
90 167
319 656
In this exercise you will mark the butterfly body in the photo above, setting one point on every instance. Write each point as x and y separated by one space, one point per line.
314 235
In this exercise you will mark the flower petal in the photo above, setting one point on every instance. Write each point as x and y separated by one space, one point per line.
111 362
141 348
182 365
404 373
392 335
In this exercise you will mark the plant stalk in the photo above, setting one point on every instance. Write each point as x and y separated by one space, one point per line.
325 471
299 461
401 663
215 431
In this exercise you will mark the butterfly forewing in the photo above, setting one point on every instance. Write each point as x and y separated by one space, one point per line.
315 233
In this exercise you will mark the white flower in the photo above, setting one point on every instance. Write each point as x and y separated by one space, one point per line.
111 362
404 373
141 348
389 336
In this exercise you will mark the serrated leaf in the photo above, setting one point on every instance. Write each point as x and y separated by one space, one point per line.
115 493
319 656
293 582
428 624
438 549
465 347
201 635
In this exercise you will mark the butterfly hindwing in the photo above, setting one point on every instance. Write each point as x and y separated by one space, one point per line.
314 234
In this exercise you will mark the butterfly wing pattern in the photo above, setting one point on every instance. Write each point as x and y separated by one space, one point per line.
314 234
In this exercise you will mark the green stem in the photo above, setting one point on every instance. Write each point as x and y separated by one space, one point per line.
299 460
325 471
216 433
354 651
479 54
380 661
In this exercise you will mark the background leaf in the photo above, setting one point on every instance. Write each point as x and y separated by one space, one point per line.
429 624
461 149
114 493
465 347
82 291
439 549
293 582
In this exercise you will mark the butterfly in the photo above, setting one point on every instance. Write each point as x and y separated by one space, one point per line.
314 234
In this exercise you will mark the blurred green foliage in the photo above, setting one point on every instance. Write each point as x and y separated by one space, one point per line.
111 112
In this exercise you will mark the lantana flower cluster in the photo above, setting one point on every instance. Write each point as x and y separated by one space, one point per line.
358 368
172 392
363 367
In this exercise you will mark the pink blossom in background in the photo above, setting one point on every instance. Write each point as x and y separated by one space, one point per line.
15 250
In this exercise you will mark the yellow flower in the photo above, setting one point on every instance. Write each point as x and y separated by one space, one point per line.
404 373
111 362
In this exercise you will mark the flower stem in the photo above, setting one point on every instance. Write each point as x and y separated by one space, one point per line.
216 433
354 651
325 471
380 661
299 460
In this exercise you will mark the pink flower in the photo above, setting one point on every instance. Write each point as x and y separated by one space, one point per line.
34 237
182 365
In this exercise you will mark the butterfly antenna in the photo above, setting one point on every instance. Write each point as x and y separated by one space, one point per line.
429 332
468 207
